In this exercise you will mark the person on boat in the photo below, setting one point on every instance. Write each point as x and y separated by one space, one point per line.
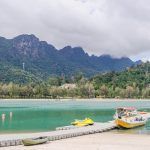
128 114
120 115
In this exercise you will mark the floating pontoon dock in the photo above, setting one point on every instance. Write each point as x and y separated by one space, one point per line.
60 133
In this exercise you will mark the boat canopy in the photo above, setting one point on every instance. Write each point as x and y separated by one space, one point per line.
127 108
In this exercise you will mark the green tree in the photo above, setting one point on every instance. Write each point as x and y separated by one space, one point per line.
104 91
146 92
129 92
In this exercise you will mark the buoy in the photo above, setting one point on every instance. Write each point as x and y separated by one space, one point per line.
3 117
10 114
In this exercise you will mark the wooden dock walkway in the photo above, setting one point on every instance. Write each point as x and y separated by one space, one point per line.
60 133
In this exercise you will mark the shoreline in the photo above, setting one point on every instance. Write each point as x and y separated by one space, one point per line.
76 99
99 141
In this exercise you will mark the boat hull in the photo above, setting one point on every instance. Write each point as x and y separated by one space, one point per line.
30 142
125 124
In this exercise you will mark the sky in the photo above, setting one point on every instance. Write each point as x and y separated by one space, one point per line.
116 27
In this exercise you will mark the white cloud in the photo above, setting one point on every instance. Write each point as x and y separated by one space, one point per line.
116 27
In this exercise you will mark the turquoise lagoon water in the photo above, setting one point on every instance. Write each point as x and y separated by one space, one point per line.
38 116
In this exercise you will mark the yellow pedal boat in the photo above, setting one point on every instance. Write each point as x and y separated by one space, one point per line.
81 123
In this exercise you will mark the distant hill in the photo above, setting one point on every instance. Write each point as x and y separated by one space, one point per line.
131 83
42 60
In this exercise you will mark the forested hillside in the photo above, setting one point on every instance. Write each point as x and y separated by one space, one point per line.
134 82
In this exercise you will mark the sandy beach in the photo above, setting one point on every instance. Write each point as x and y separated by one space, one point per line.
101 141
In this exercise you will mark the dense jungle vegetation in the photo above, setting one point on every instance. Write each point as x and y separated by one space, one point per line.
134 82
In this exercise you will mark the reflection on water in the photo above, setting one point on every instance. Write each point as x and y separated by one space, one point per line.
44 116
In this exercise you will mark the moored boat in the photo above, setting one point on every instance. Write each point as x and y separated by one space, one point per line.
34 141
129 117
130 123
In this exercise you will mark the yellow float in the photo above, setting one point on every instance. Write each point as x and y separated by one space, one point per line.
81 123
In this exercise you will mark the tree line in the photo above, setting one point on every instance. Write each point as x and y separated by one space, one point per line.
134 82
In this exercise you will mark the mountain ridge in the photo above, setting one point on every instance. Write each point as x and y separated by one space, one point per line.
42 59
